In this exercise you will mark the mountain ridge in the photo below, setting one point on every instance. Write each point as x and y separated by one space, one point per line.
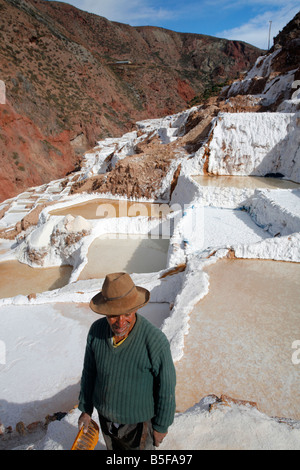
61 71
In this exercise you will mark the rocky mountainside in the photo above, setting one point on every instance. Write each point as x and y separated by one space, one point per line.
214 135
290 32
73 78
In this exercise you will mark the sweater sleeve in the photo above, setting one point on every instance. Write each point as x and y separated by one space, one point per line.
164 390
88 378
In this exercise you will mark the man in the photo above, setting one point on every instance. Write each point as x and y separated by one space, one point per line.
128 373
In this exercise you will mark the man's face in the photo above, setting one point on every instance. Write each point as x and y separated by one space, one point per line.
121 325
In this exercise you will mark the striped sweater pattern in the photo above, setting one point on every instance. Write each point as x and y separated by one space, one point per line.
132 383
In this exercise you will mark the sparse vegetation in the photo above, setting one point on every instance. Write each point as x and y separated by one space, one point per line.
212 90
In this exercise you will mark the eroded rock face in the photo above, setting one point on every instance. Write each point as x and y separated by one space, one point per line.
272 77
29 157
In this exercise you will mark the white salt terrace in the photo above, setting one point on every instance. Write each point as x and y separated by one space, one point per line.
23 203
225 227
289 201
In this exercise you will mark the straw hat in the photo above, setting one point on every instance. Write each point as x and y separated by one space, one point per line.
119 296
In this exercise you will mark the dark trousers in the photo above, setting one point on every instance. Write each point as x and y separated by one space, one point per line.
127 436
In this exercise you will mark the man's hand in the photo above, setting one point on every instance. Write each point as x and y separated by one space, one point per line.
158 437
84 420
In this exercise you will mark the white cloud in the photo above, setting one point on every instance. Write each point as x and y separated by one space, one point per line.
125 11
252 16
256 30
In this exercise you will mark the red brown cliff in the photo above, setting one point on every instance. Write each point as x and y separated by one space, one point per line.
73 78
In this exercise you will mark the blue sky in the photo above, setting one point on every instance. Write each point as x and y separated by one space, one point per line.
244 20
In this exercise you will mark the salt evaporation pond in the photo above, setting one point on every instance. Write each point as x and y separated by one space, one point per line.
17 278
241 335
245 182
125 252
108 208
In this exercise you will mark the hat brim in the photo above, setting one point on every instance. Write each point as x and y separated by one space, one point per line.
119 307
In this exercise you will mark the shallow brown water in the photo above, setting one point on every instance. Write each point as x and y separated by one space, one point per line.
109 208
134 253
18 278
247 182
241 335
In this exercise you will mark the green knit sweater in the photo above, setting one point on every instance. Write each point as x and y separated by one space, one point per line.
132 383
